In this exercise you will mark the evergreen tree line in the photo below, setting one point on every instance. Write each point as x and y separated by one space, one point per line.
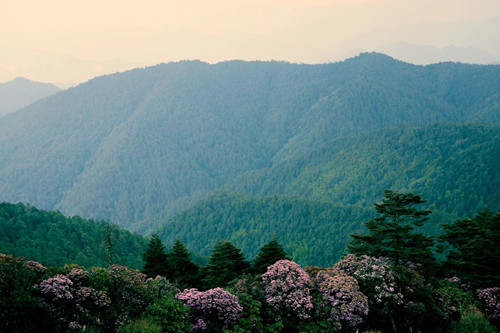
226 263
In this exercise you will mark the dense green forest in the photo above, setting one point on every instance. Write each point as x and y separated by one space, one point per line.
454 166
55 240
137 147
313 232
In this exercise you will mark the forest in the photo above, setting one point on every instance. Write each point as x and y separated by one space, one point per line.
388 280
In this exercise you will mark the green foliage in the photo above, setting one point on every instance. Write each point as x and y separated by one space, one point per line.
312 232
182 270
54 240
170 314
475 255
141 326
453 165
473 320
392 234
19 310
268 255
155 258
227 262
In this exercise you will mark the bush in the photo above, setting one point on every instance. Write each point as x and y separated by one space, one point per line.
169 314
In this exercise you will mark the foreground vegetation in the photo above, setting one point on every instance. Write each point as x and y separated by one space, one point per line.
389 282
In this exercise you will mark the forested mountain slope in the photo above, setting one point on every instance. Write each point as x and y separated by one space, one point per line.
314 202
454 167
55 240
136 147
312 232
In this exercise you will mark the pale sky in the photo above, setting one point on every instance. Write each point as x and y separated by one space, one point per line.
138 33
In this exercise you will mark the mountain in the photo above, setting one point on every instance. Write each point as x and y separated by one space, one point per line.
63 70
21 92
55 240
428 54
137 147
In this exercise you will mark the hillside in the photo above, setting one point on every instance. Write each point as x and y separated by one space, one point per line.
312 232
454 166
21 92
55 240
314 202
137 147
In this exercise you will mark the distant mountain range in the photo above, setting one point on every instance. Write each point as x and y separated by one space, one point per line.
139 147
62 70
427 54
21 92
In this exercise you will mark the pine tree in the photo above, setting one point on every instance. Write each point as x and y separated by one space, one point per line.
268 255
475 255
181 269
155 258
392 234
226 264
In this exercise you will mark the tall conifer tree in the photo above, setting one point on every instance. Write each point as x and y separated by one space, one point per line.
476 253
155 258
181 269
226 263
392 234
268 255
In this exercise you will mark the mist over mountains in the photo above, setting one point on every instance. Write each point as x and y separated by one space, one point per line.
138 147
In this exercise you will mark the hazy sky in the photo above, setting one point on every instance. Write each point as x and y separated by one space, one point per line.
150 31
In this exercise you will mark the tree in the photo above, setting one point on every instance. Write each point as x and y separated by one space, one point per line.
475 255
392 234
181 269
268 255
226 263
155 258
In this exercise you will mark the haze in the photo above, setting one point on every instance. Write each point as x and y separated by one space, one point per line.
71 40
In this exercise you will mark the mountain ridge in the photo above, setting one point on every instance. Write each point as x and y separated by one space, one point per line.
138 146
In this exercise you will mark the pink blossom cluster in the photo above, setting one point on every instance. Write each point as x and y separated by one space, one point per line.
490 300
375 276
57 288
78 276
86 296
35 266
287 288
340 293
212 308
465 286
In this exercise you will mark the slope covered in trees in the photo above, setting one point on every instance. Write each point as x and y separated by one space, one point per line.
137 147
54 240
312 232
454 166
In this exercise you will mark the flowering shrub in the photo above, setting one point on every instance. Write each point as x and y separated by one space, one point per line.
56 288
375 277
490 300
78 276
35 267
340 293
287 288
214 309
